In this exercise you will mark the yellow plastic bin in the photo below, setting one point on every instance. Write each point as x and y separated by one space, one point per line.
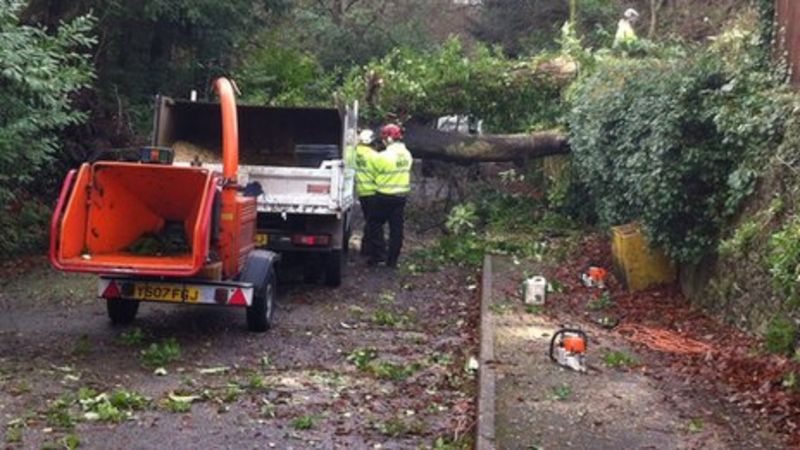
635 262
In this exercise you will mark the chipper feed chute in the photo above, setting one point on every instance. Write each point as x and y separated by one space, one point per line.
132 218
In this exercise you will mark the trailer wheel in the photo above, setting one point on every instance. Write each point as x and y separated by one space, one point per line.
334 268
260 313
122 311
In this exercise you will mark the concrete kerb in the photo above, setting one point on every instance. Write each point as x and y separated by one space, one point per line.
485 439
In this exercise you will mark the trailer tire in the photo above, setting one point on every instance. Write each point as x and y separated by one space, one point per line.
261 312
260 271
122 311
334 268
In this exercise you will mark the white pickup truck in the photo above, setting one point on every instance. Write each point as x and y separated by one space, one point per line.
299 162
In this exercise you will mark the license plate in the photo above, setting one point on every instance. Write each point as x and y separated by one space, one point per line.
262 239
165 292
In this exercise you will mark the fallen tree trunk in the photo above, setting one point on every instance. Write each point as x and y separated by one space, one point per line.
428 143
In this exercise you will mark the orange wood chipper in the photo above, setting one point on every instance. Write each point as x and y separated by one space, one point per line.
158 232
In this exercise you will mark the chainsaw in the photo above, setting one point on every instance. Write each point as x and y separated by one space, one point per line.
568 348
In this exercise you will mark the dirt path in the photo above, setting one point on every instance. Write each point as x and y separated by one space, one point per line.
619 403
378 363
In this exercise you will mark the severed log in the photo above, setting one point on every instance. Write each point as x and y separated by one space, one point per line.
428 143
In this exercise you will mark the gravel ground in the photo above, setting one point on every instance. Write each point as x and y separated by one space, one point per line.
377 363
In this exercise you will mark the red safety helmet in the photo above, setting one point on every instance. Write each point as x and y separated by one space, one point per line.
391 131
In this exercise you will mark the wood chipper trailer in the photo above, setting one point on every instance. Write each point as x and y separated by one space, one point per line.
107 208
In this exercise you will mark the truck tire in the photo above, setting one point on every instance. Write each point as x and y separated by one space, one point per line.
261 312
122 311
334 268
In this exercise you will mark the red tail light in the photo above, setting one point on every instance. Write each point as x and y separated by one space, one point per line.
111 291
318 189
311 240
237 299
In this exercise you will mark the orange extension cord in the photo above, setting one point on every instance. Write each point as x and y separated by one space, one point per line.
662 340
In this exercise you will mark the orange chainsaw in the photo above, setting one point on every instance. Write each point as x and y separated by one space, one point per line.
568 348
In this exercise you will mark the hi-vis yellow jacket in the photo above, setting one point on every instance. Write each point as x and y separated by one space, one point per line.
365 170
393 170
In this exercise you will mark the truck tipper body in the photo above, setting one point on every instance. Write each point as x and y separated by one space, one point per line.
298 162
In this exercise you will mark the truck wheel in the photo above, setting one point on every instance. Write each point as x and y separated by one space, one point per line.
122 311
334 268
260 313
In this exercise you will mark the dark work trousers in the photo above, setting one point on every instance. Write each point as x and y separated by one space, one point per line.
386 208
366 208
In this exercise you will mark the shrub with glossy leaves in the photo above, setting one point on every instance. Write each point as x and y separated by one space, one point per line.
675 141
38 73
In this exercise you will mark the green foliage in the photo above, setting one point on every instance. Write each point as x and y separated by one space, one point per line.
781 335
495 221
255 382
386 318
392 372
71 442
131 338
696 425
13 434
783 260
39 72
83 346
128 400
58 413
177 406
303 422
362 357
562 392
117 407
534 309
673 139
510 95
283 76
24 221
742 240
789 381
529 26
402 426
345 36
161 353
618 359
601 303
462 218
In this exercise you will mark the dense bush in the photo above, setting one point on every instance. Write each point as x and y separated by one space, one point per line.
38 73
675 140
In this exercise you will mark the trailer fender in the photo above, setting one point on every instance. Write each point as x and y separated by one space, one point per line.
257 266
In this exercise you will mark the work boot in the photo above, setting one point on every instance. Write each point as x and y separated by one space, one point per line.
373 261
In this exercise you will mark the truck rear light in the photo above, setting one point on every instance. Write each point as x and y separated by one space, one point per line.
238 299
318 189
312 240
111 291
